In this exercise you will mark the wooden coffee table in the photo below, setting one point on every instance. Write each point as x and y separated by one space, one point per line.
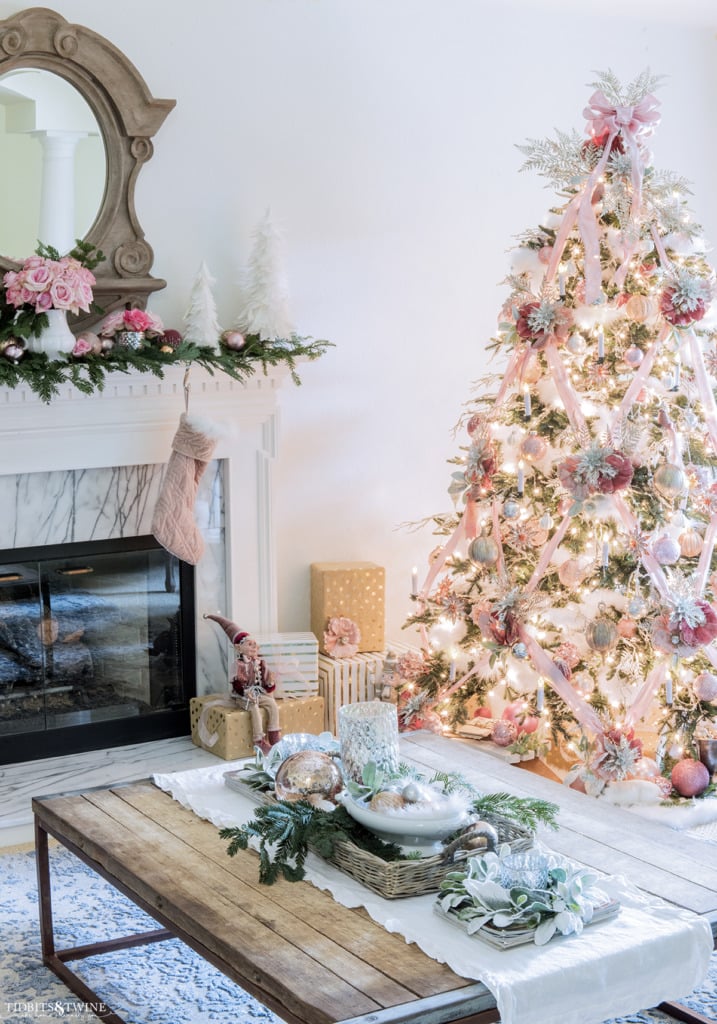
306 957
309 959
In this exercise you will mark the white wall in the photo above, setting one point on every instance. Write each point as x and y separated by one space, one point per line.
382 134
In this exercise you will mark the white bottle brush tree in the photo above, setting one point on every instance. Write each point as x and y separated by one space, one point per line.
265 296
574 580
201 326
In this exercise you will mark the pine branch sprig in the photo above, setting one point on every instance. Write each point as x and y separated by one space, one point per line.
525 811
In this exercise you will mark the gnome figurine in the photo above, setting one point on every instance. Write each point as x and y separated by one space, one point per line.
252 685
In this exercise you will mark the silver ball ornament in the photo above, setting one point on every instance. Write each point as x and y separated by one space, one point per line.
520 651
511 509
576 344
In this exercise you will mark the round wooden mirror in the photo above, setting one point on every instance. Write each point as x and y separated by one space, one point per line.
41 52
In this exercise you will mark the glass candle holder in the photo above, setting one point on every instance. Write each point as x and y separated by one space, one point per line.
524 871
368 732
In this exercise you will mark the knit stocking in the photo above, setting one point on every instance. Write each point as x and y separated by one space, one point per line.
173 521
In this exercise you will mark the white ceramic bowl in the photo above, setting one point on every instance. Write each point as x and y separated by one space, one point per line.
413 829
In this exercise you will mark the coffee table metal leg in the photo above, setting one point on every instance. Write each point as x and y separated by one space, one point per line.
55 959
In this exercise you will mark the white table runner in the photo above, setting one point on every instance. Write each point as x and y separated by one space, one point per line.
650 952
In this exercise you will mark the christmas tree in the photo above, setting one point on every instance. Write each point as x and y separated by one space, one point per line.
571 599
201 326
265 307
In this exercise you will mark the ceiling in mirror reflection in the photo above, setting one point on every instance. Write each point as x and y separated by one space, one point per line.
54 164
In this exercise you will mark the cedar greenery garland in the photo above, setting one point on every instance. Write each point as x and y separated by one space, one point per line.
286 831
88 373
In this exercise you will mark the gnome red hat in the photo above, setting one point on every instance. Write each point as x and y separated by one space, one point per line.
235 634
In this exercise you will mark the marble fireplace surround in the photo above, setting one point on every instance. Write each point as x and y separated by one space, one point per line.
89 467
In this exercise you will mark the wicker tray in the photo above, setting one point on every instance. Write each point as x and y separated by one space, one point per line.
395 879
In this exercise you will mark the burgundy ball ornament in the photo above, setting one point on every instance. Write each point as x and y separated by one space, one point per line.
704 686
234 340
690 777
171 338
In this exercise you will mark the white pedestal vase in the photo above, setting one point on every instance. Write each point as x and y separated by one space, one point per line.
57 339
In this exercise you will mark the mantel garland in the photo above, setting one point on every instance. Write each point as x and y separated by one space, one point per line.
88 373
23 316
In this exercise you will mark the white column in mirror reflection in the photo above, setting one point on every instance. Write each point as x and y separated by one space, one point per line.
57 199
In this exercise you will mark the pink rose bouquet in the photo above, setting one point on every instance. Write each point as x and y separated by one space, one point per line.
43 283
131 320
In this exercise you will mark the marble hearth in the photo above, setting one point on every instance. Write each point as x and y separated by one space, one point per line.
90 467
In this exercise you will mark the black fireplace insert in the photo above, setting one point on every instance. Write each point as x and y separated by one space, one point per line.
96 647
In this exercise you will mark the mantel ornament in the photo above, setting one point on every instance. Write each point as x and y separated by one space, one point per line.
128 117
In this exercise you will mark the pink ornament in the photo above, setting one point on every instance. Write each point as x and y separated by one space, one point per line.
233 340
505 732
690 777
483 712
533 448
572 572
705 686
627 627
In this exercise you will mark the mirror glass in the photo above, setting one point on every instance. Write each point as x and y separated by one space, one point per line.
54 164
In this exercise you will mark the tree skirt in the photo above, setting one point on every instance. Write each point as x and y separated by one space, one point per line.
165 983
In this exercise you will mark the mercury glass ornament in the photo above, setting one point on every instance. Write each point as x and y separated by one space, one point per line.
546 521
705 686
601 634
511 509
666 550
483 551
670 481
504 733
640 308
520 651
708 754
691 543
309 773
532 371
234 340
130 339
637 606
633 356
14 352
576 344
571 572
533 448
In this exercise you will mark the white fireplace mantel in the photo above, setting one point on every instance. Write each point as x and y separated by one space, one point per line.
132 423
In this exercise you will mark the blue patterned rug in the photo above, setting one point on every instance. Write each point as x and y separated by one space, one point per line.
171 986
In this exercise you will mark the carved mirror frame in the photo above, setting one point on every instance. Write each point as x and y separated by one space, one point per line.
128 116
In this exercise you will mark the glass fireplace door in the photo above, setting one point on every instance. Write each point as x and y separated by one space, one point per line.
96 647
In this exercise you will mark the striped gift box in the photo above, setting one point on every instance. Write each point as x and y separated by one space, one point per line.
350 680
293 658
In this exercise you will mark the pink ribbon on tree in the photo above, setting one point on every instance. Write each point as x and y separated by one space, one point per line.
645 695
631 122
704 389
545 666
565 391
640 378
703 566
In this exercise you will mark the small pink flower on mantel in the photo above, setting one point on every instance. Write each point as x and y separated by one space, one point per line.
82 347
341 637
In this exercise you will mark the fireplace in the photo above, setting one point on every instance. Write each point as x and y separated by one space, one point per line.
88 468
96 646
